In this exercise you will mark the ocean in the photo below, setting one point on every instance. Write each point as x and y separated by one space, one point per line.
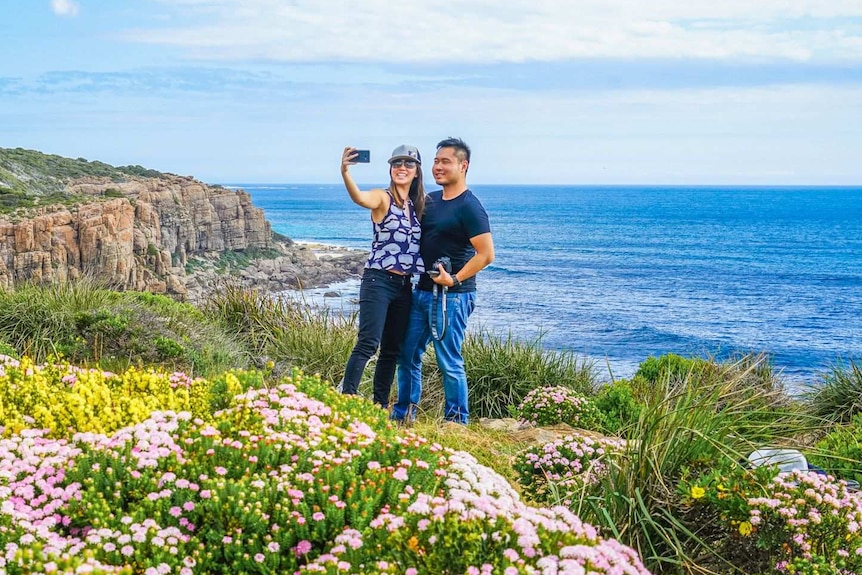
618 274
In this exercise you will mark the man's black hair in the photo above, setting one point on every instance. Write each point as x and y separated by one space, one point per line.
462 150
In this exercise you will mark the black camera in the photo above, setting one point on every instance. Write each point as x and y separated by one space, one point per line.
445 262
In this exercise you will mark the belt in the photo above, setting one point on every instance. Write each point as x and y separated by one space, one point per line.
403 278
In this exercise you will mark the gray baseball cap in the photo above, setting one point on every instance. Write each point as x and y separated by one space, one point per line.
406 152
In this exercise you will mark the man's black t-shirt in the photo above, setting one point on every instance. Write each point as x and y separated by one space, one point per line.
447 227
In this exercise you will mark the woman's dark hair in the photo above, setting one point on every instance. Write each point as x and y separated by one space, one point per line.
416 193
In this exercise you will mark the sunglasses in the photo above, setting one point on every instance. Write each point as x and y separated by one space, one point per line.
405 163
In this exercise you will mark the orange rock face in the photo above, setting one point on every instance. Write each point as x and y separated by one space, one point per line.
141 241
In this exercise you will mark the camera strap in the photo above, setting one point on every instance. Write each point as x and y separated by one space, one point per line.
432 313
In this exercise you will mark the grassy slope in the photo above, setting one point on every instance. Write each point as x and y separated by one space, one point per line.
34 173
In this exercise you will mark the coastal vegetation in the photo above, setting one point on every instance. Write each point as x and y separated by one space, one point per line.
142 435
32 173
89 324
29 179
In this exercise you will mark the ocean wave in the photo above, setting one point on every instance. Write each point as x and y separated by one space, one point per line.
508 270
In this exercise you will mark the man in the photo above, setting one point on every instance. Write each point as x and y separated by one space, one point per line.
455 225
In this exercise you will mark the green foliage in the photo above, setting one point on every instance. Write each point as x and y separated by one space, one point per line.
10 202
193 264
840 452
8 350
671 367
712 503
240 259
225 386
619 407
88 323
152 249
770 410
29 179
839 397
167 347
139 171
748 378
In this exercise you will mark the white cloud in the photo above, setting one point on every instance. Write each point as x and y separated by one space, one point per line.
64 7
512 30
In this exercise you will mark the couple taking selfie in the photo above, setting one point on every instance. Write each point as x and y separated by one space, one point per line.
443 238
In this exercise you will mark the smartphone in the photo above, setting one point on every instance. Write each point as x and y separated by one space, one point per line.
363 157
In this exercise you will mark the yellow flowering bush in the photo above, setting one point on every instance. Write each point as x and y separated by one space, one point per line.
66 399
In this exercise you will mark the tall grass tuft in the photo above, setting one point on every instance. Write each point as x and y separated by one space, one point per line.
288 331
246 313
839 397
35 318
688 422
501 371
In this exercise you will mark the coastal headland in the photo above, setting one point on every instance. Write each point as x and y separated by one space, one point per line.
138 229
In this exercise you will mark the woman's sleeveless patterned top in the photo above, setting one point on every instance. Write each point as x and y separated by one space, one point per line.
396 241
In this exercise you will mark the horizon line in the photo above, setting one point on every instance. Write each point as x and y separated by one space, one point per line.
573 185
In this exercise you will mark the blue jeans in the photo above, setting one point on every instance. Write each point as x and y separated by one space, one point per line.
450 360
384 310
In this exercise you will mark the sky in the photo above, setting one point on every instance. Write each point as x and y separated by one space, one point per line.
677 92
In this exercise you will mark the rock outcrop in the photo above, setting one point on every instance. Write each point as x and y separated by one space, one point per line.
163 235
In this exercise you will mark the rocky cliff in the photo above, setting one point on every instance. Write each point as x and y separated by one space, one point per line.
137 234
165 234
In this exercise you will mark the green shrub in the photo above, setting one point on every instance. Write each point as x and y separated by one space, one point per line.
671 367
840 452
167 347
618 405
8 350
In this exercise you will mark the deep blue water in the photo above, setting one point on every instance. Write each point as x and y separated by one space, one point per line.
621 273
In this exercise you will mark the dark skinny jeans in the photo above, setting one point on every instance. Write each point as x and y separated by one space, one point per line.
384 310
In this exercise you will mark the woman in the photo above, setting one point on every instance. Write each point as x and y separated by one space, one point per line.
385 292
